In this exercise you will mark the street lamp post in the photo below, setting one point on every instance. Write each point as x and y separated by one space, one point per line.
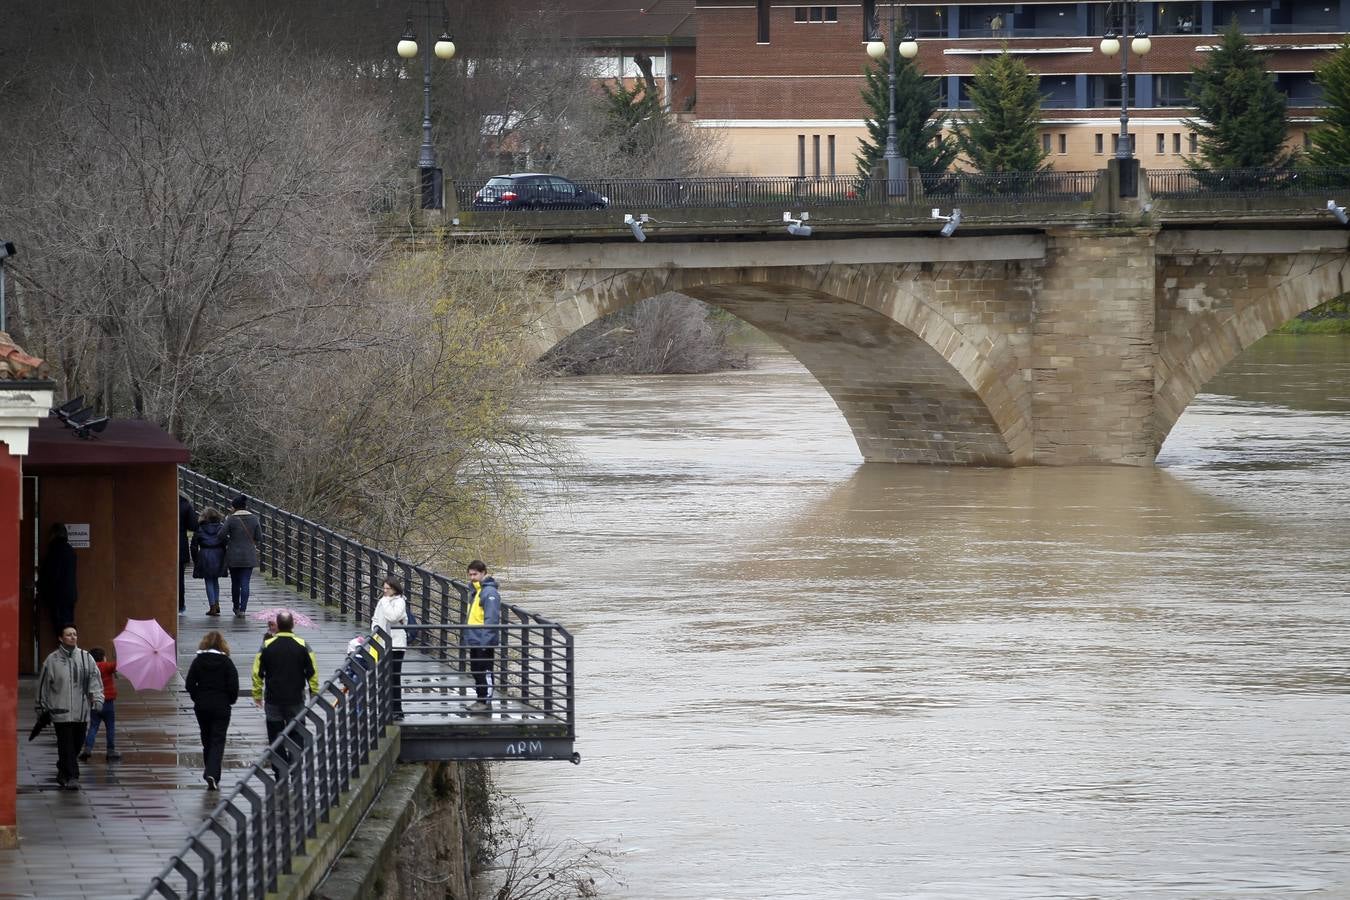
430 176
897 167
1128 13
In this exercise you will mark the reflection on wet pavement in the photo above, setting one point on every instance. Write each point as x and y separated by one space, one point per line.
110 838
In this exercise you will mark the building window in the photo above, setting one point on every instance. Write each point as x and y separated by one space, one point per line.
815 14
815 155
1176 143
1162 144
1063 142
831 141
1194 142
1045 142
1097 144
762 29
801 156
871 27
1307 140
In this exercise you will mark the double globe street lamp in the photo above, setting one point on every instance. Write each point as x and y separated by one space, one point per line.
1127 12
430 177
897 167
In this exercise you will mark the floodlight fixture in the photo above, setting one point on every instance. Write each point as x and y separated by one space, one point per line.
953 221
636 223
7 249
1338 211
797 227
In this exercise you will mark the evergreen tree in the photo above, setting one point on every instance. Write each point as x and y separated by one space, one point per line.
1000 135
1240 115
633 115
1331 142
918 128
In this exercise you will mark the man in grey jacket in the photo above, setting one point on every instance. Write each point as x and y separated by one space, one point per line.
68 687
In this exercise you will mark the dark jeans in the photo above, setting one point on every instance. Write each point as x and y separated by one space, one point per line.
212 591
182 590
480 663
108 717
239 578
395 681
278 716
214 722
69 740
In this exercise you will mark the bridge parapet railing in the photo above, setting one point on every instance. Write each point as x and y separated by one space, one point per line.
260 826
644 195
1185 184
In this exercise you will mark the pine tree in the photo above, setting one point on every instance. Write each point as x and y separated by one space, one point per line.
1331 142
1000 135
1240 114
918 128
632 115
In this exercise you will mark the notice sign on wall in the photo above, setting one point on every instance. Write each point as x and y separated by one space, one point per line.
78 534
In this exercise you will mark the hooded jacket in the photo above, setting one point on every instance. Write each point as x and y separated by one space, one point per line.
70 681
208 551
212 680
391 612
485 608
243 531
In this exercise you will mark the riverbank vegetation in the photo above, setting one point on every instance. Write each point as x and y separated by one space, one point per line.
1332 317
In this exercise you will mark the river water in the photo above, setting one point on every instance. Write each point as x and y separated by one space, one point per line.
801 676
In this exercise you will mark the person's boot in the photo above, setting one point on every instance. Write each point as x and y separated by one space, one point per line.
214 610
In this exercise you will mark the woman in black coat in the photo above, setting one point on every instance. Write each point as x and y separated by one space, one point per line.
208 556
213 682
57 581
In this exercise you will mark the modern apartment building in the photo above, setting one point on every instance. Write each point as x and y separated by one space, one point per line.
780 82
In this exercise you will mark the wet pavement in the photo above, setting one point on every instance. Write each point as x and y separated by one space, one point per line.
110 838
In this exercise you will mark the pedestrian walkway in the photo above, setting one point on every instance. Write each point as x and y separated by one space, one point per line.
109 839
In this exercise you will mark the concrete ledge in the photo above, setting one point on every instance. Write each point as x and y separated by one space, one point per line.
310 869
1241 241
354 875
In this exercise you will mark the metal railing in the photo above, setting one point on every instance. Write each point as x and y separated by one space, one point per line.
1177 184
250 839
644 195
1017 186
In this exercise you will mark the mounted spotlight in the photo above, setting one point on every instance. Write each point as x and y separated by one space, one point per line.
636 223
1338 212
797 227
953 221
80 418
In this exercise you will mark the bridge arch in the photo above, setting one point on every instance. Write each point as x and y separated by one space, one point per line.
912 386
1210 309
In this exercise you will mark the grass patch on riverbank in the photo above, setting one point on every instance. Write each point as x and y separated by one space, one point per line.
1315 326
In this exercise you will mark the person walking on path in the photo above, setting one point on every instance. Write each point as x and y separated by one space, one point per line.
390 612
213 684
243 531
208 556
69 686
187 523
282 668
107 670
58 587
485 611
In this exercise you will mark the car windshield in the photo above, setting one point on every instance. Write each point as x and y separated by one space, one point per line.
498 183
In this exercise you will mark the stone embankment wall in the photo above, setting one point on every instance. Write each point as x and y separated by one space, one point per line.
418 840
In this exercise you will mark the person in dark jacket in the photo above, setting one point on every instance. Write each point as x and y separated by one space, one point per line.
281 670
213 683
208 556
187 523
485 612
243 531
57 584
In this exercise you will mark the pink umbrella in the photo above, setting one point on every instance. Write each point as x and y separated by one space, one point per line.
145 654
300 619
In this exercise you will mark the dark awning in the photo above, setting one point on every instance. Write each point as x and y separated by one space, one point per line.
125 442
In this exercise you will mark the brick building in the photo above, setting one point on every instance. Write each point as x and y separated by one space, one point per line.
780 82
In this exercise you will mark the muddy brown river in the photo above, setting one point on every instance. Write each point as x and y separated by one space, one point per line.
801 676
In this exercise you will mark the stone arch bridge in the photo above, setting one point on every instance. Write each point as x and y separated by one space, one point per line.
1074 343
